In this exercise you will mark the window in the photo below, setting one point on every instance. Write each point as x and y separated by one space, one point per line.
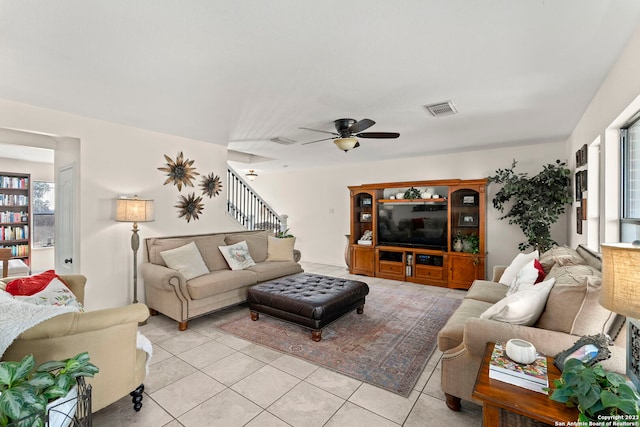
630 218
43 214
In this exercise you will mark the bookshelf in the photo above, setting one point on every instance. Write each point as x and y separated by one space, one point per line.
15 214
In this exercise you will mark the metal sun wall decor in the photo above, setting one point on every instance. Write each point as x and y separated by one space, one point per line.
182 173
211 185
190 207
179 172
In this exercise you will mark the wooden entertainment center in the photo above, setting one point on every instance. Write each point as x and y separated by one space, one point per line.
414 238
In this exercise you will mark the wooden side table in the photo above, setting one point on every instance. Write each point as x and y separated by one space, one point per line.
501 400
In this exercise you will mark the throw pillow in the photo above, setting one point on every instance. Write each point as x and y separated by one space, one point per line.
516 265
521 308
527 276
187 260
237 255
256 242
280 249
30 285
54 293
562 255
541 273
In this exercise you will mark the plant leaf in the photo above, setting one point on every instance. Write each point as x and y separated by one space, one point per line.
609 399
11 403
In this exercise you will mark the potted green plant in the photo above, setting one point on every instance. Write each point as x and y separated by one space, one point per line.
595 392
26 393
471 243
284 234
535 203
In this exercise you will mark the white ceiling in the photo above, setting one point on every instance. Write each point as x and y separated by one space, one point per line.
239 73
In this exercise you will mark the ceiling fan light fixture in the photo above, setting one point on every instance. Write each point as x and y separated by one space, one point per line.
251 175
345 144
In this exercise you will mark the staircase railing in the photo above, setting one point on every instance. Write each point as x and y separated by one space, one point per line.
248 208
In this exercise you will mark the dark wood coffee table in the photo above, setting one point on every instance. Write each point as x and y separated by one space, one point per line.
501 400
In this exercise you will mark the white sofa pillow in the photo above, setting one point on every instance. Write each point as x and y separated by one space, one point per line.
526 277
55 293
523 307
186 259
516 265
237 255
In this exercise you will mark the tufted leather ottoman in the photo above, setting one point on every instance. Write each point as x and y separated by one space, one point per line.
310 300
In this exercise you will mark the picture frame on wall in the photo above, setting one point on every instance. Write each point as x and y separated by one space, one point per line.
468 219
579 220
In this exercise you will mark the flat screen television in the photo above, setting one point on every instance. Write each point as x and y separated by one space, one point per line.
417 225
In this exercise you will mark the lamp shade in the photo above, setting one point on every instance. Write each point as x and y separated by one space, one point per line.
345 144
134 210
621 278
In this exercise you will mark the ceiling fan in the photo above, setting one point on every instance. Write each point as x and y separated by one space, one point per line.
347 132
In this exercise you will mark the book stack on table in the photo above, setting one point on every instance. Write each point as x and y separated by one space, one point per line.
532 377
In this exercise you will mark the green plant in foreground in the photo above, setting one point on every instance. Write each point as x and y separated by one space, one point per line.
284 234
535 203
594 391
25 392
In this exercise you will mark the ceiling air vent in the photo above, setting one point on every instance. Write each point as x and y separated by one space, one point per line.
442 109
283 141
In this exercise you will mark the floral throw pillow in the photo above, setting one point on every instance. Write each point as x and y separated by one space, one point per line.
237 255
55 293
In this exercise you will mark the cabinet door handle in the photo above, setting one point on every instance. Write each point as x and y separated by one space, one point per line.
68 260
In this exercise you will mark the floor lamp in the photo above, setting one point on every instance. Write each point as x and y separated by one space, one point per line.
134 210
621 294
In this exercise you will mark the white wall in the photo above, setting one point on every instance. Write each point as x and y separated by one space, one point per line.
41 258
121 160
317 201
615 102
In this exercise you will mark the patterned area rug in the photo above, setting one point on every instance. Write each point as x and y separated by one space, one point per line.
387 346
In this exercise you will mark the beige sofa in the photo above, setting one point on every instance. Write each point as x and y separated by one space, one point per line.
108 335
169 293
572 310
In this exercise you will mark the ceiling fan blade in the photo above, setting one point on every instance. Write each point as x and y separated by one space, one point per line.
361 125
384 135
323 131
318 140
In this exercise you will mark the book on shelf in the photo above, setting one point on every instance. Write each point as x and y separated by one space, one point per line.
533 376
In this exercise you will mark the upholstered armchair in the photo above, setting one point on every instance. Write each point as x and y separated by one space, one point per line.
108 335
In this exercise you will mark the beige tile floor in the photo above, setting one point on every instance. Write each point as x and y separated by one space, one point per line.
206 377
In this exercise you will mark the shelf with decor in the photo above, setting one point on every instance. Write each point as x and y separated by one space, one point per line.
15 219
412 228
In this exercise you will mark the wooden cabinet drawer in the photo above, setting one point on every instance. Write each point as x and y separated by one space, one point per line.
391 267
424 272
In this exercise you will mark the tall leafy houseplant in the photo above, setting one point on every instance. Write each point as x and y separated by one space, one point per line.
535 203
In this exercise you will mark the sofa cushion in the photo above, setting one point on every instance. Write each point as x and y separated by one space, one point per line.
155 245
208 246
451 334
185 259
272 270
562 255
523 307
56 293
237 255
573 305
218 282
484 290
256 241
516 265
526 277
280 249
